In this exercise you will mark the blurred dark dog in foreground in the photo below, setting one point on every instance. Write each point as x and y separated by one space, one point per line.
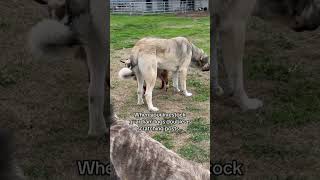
135 155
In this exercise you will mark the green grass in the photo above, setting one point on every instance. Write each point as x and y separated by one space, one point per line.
295 96
199 130
126 30
8 76
267 67
164 138
193 109
194 152
202 90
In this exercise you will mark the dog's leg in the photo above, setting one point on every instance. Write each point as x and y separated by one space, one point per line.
175 82
150 85
93 31
182 80
150 75
165 79
167 85
141 88
161 77
144 89
96 94
162 83
233 42
214 73
227 41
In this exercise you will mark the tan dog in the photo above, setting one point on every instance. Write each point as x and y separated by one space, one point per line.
175 55
135 155
229 22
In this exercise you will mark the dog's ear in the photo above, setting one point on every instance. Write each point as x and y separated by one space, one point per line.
41 1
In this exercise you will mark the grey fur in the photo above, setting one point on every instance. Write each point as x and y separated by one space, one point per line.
135 155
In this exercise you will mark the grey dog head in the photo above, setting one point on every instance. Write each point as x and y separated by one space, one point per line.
200 58
299 15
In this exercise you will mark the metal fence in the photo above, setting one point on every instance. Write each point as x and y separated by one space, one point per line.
154 7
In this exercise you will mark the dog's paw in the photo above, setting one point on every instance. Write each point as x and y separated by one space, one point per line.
251 104
187 94
176 89
140 103
153 109
99 132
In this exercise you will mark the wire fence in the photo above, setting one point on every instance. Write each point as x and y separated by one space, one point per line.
156 7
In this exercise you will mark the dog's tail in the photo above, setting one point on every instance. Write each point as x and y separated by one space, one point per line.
126 73
49 37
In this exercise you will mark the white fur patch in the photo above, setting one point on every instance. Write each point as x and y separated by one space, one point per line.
47 37
125 73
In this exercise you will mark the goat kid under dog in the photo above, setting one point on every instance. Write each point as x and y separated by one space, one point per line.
49 38
175 54
135 155
229 22
161 74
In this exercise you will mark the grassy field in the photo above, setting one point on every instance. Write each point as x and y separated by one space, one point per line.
192 139
282 139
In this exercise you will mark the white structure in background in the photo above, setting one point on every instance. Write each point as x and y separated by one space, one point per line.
157 6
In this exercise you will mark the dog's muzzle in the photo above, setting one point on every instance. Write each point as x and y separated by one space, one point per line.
206 67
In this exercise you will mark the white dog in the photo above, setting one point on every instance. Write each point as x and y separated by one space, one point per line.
175 54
